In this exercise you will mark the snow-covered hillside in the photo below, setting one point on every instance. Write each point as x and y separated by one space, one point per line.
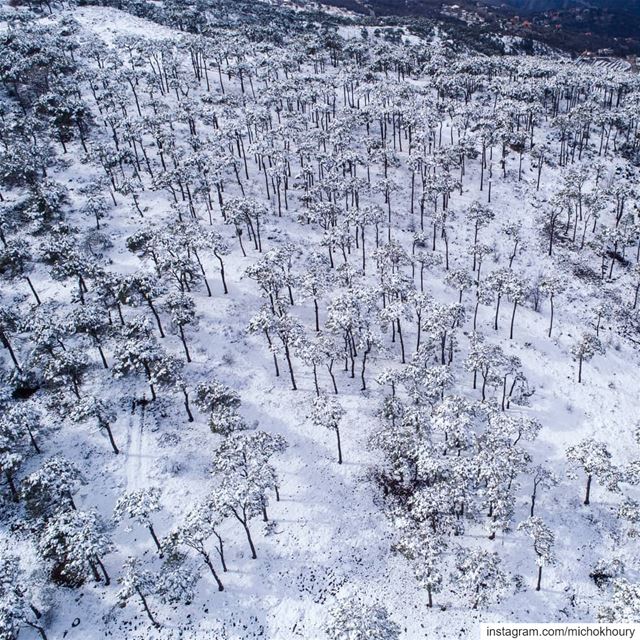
311 329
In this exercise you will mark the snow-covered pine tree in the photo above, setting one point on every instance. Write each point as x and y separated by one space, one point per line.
584 349
199 525
139 506
327 412
101 411
137 583
50 488
480 576
543 543
593 458
18 592
624 606
75 542
351 619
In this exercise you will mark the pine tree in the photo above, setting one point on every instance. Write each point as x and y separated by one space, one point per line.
100 410
177 580
137 582
479 574
584 349
454 418
221 402
50 489
541 478
249 455
543 543
17 596
75 541
139 506
138 355
460 280
15 261
425 550
201 523
9 322
315 282
214 394
90 320
593 458
551 286
182 311
624 606
480 216
327 412
22 422
241 497
354 620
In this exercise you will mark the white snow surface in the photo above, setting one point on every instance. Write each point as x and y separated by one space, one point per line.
328 537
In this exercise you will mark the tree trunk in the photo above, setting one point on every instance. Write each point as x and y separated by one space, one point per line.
224 281
38 628
146 608
580 370
105 364
401 341
155 539
96 575
250 540
209 564
186 404
12 487
275 358
333 378
288 357
107 427
364 366
157 317
588 491
35 294
184 344
34 444
107 579
533 502
339 446
220 550
7 345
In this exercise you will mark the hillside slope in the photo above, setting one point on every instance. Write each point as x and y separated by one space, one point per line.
382 221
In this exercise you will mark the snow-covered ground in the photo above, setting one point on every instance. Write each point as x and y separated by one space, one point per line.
328 538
